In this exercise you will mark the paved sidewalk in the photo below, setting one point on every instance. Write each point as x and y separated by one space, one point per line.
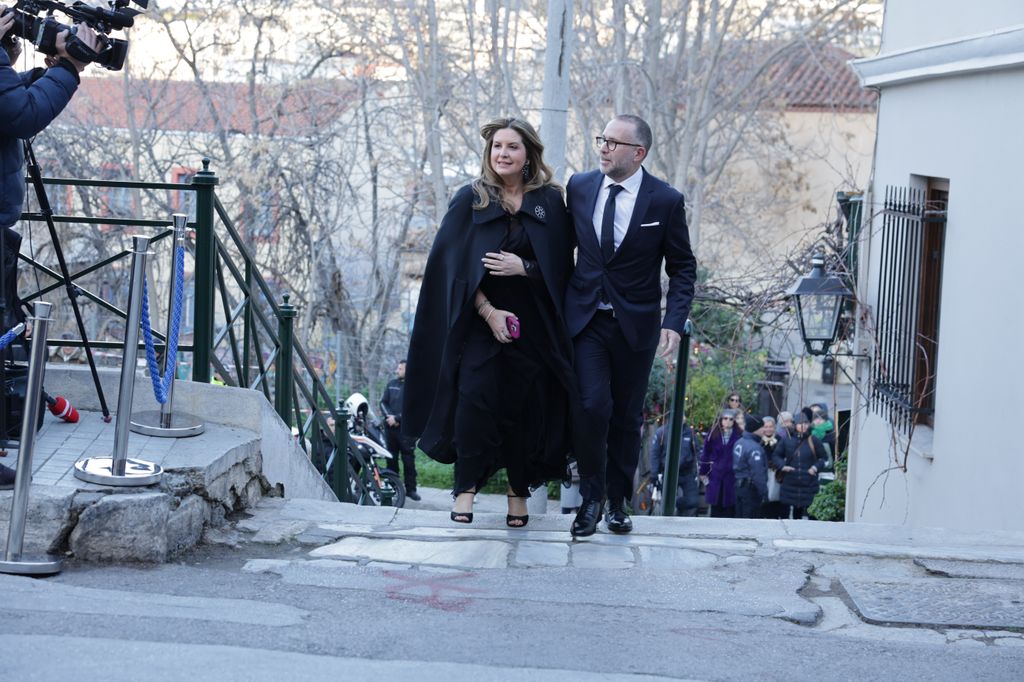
945 578
59 445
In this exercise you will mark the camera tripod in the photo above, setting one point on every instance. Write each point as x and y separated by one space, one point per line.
46 214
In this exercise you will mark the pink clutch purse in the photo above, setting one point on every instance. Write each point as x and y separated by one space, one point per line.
512 322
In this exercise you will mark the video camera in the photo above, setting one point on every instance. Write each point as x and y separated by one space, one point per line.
42 31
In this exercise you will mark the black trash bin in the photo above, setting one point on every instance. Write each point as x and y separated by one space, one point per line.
828 369
771 395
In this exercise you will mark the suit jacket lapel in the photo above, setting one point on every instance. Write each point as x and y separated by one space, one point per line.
643 200
590 191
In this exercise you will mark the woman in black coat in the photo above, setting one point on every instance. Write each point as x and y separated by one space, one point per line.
489 372
799 459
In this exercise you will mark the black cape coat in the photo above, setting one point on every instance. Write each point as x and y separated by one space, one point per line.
446 308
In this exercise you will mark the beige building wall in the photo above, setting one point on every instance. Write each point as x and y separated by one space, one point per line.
790 200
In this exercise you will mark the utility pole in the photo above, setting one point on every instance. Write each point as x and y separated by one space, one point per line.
553 124
557 57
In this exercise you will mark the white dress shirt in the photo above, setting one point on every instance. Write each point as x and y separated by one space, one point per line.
624 202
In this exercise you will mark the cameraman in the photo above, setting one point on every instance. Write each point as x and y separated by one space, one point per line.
28 103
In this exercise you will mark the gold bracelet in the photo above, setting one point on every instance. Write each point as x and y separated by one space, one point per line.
480 308
487 319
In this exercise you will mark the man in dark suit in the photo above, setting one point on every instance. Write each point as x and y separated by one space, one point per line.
627 223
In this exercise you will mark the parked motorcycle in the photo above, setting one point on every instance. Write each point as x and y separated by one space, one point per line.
366 436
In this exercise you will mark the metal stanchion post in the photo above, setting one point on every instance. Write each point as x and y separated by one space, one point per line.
165 423
117 469
671 481
14 561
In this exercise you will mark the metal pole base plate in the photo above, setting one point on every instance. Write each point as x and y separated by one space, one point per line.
182 425
137 472
32 565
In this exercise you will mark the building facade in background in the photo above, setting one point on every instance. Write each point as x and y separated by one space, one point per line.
933 439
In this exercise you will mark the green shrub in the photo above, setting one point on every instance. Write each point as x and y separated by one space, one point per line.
704 399
431 474
830 502
712 374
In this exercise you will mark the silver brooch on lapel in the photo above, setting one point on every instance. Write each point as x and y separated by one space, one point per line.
539 212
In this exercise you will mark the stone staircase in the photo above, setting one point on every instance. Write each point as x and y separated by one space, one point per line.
246 453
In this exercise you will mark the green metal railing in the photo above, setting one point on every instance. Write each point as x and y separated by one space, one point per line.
239 329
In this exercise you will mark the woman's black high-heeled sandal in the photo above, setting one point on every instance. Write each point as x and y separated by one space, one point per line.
463 517
514 520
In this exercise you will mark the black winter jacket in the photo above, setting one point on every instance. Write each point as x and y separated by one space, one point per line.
28 103
798 486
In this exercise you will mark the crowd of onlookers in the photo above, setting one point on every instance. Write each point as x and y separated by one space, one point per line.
751 467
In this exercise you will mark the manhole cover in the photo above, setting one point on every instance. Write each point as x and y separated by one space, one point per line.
963 603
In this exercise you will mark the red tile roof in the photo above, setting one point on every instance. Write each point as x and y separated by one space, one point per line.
208 107
819 78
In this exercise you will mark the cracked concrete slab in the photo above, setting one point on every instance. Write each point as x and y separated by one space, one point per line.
972 569
846 548
533 554
460 554
588 555
939 601
724 546
671 557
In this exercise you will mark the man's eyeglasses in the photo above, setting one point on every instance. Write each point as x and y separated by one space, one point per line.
612 144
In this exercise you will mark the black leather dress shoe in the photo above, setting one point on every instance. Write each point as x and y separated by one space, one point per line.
413 495
586 519
8 476
617 519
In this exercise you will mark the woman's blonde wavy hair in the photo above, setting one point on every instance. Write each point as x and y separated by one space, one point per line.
488 186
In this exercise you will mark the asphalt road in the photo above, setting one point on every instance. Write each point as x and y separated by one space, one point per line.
272 612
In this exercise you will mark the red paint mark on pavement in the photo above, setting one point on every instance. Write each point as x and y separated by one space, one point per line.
705 633
436 584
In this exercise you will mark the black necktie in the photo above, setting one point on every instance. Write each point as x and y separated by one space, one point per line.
608 223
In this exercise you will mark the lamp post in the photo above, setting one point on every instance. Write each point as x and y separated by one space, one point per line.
819 304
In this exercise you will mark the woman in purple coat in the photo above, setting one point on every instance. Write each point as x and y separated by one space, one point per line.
716 470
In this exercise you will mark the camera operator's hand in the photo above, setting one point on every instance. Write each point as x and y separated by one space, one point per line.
6 22
14 49
86 35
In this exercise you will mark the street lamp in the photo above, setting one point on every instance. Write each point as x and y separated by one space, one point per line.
819 303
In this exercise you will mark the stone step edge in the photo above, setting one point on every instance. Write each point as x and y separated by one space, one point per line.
152 524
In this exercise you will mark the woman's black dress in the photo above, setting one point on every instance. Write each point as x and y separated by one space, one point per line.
511 406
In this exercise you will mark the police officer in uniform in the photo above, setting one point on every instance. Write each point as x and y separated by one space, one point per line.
398 445
687 494
751 469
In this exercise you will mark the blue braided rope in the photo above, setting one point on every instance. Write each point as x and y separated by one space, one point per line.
11 334
162 383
